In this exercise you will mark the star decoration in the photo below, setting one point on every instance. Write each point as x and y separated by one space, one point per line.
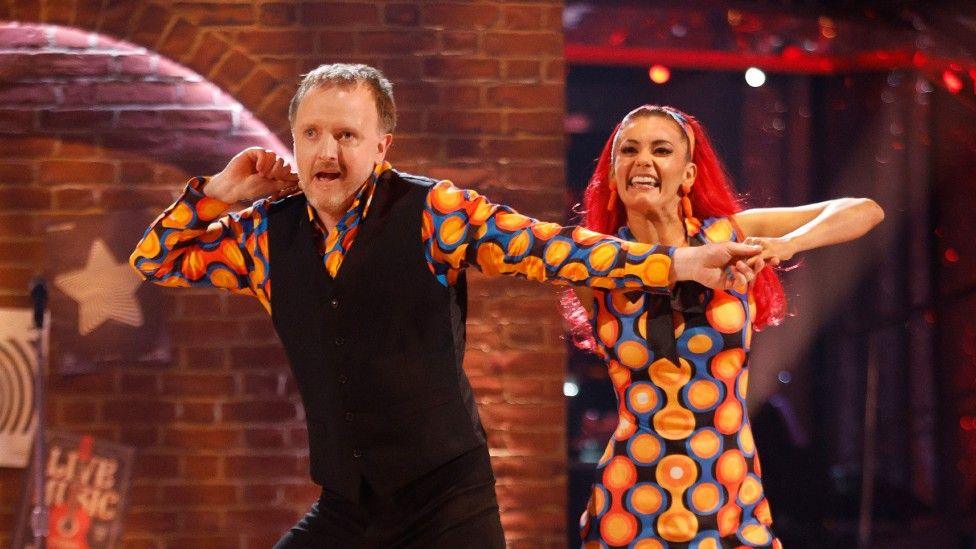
104 290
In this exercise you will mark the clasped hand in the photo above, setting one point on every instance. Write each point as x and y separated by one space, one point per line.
252 173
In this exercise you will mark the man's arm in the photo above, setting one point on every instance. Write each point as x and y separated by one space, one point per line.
192 243
463 228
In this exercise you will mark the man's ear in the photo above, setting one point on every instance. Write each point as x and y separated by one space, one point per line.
383 146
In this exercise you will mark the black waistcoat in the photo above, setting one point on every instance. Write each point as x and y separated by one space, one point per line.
376 352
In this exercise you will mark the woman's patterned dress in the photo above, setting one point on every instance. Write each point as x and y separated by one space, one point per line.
681 469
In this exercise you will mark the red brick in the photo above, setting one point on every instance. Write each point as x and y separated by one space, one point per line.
201 467
258 357
523 69
218 14
461 68
13 146
209 49
76 171
256 88
198 494
24 198
178 40
407 15
464 122
535 123
265 493
138 119
459 16
202 438
197 119
156 466
74 412
120 198
138 411
317 14
136 172
202 358
228 541
131 383
71 38
20 37
16 172
75 120
137 64
301 493
261 411
264 438
522 17
384 42
459 42
520 96
73 199
197 412
275 41
261 384
135 92
26 94
149 24
16 120
261 466
198 385
278 14
263 517
139 436
151 521
526 148
416 147
334 43
527 44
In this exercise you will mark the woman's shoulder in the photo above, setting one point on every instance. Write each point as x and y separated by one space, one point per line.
720 229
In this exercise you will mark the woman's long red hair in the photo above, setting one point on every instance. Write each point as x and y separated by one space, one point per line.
711 196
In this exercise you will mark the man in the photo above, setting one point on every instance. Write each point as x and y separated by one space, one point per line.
369 302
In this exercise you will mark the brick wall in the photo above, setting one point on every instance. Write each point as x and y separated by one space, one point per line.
222 447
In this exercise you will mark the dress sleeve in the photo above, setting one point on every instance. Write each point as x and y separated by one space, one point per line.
462 228
192 243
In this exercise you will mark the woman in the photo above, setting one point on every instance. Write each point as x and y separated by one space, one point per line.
681 469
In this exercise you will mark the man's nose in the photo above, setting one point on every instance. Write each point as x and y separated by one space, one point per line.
329 148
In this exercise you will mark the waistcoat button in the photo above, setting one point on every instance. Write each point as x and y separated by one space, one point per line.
348 416
334 303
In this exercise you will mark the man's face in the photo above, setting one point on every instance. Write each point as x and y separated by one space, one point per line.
338 142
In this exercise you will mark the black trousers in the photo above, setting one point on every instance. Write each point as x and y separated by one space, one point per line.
453 506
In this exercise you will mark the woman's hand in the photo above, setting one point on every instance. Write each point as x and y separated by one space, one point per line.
774 250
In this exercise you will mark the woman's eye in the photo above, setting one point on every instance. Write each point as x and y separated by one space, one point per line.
628 150
662 150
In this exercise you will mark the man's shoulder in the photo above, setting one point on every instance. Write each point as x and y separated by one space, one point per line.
410 179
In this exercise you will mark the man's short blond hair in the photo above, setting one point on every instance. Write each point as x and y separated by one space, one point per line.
348 75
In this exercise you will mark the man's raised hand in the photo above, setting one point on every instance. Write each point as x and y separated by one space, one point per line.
252 173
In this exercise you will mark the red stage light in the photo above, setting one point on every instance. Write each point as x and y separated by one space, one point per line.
951 255
659 74
952 81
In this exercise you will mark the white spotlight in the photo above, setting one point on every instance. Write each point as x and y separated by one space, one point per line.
570 388
755 77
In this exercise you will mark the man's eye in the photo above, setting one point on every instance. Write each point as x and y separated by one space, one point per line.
345 136
310 132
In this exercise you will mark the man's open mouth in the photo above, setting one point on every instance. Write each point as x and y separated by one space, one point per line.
326 176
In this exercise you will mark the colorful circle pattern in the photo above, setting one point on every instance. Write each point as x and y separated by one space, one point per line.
681 469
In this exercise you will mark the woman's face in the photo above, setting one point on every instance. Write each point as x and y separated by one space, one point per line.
651 163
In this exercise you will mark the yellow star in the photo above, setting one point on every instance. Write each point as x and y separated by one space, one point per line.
104 289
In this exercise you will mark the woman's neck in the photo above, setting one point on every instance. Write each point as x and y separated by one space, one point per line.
658 227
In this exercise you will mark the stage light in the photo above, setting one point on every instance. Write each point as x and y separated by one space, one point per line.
952 81
755 77
570 388
659 74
